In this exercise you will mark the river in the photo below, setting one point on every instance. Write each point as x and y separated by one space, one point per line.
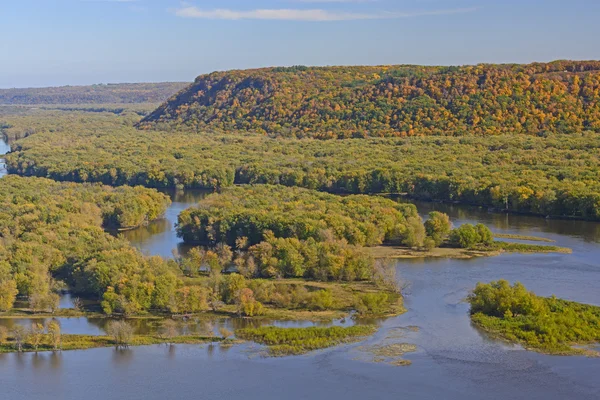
4 148
159 238
453 360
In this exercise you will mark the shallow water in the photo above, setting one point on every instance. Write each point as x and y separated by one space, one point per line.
453 359
98 326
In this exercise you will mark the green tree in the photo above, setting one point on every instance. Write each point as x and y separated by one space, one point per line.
485 235
438 227
414 235
232 286
465 236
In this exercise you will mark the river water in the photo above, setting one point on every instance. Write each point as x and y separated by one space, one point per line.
159 237
453 359
4 148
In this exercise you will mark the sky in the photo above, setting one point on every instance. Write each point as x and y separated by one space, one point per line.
79 42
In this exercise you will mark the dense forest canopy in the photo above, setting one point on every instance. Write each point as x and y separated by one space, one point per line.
51 237
555 175
251 211
94 94
285 232
404 100
18 122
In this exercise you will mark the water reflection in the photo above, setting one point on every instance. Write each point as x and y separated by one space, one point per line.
122 356
515 223
194 326
159 237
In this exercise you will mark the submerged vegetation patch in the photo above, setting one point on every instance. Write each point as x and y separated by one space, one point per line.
522 237
529 248
392 349
294 341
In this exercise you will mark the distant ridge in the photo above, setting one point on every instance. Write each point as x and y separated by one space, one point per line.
403 100
120 93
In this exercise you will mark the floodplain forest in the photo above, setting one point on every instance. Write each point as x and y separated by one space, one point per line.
555 175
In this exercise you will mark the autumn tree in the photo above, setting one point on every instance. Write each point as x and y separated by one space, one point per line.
8 294
54 332
19 335
36 334
169 330
3 334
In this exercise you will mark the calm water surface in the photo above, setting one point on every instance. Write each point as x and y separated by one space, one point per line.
453 361
98 326
159 238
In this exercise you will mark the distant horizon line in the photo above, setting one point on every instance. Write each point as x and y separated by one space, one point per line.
289 66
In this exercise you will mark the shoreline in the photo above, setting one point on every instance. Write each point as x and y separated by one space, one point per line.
576 348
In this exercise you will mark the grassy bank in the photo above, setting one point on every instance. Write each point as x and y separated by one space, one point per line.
495 249
522 237
528 248
401 252
294 341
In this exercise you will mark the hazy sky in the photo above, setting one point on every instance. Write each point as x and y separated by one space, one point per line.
60 42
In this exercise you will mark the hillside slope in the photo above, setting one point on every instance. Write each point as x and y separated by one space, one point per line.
121 93
335 102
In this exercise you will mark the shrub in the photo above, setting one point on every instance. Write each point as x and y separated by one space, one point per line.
248 304
121 333
468 236
321 300
373 303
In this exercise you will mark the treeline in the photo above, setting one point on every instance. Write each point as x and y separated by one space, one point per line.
404 100
547 324
93 94
51 238
120 207
18 122
553 175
